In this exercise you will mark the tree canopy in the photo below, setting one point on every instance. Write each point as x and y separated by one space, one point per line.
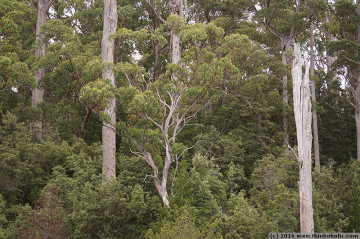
202 107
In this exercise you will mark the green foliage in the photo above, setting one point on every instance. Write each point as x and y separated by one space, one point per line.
183 226
243 220
348 191
46 219
206 192
3 219
328 206
335 110
275 193
235 183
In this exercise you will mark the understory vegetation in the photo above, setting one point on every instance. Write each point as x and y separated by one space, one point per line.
231 175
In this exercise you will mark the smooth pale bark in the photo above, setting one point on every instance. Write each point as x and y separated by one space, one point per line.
170 127
38 92
107 55
302 111
176 7
313 97
175 47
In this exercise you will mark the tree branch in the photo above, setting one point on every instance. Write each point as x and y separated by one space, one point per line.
155 12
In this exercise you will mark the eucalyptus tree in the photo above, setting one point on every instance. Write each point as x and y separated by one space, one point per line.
107 55
303 114
152 114
285 20
38 92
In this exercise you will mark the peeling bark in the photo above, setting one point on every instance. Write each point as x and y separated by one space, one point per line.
175 47
176 7
302 111
107 55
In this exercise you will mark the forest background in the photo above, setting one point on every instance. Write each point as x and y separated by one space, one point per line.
205 132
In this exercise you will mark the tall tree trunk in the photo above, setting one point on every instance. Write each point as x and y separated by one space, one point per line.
38 92
313 97
175 47
175 7
302 111
107 55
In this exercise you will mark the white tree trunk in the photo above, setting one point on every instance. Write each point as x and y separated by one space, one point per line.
302 110
38 92
176 7
313 97
107 55
175 47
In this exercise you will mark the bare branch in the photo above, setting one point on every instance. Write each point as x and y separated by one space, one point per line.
153 121
160 99
176 168
353 92
292 150
271 29
155 12
178 156
127 77
137 153
351 60
146 176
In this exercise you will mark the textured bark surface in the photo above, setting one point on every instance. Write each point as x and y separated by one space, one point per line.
175 47
38 92
313 98
176 7
302 111
107 55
